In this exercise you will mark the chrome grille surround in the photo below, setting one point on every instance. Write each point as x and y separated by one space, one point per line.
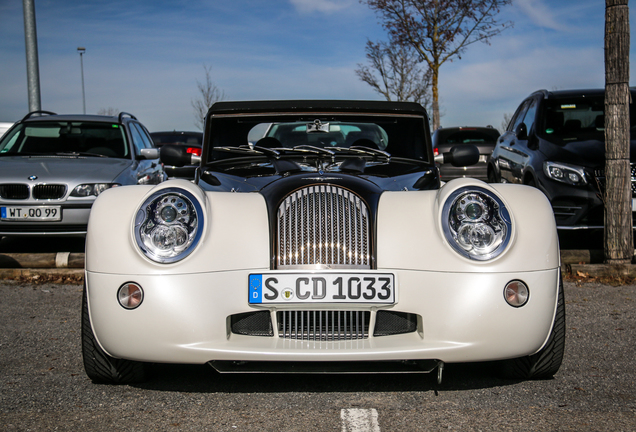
48 191
323 226
317 325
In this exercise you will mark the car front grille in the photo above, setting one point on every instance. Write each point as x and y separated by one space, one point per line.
599 176
323 226
14 191
323 325
46 191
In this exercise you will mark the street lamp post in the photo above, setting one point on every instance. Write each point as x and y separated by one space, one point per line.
81 51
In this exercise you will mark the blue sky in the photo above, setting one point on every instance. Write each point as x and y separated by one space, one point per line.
145 56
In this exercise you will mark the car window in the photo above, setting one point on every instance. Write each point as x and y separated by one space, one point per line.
518 117
577 119
469 136
55 137
530 115
138 141
328 134
145 136
181 138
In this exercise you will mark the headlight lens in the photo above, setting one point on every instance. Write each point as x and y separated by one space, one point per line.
91 189
169 225
476 223
565 173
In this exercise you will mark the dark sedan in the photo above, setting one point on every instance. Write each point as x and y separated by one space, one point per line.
484 138
192 141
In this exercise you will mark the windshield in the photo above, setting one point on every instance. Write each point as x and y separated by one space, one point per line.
62 138
577 119
400 136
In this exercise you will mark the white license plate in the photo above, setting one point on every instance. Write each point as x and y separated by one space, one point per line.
39 213
272 288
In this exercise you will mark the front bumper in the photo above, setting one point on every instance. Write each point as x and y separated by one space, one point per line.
462 317
74 222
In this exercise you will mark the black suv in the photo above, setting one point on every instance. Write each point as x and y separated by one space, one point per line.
556 142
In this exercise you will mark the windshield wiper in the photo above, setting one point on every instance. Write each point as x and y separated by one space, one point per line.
363 151
247 150
80 154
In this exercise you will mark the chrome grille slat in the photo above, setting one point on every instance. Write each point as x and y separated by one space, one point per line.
323 325
323 226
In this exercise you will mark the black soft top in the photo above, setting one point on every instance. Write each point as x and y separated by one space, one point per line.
322 106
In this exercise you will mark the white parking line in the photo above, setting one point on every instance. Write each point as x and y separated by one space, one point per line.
359 420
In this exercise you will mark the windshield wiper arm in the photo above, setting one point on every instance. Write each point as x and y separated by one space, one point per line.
80 154
363 151
312 149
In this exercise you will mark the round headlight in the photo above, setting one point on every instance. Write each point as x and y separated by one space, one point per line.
169 225
476 223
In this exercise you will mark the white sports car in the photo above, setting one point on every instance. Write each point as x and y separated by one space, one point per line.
317 236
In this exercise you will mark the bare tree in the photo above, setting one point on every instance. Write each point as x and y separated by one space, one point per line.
505 122
619 237
394 72
439 30
208 94
108 111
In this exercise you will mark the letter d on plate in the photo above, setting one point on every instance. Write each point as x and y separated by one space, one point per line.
256 288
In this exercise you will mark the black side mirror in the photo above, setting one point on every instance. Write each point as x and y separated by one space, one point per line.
176 155
521 131
459 156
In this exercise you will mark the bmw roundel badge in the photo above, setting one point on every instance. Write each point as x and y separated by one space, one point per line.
33 177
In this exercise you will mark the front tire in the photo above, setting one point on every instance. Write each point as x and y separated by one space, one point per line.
99 366
547 361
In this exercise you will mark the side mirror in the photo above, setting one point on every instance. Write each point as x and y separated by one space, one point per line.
460 156
149 153
521 131
176 155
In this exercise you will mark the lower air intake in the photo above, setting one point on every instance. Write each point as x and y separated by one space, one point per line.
389 323
323 325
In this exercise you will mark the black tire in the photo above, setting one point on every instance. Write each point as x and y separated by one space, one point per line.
99 366
545 363
492 175
531 182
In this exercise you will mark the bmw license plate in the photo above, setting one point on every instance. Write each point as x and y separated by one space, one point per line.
39 213
272 288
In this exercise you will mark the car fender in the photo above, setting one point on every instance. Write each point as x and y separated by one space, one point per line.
405 239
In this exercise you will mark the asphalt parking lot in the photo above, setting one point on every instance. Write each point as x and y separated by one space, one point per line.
43 386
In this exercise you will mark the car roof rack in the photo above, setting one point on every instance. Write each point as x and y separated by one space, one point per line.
32 113
122 114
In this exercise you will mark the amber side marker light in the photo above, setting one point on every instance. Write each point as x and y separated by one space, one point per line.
130 295
516 293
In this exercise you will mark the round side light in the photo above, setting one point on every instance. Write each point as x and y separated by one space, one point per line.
130 295
516 293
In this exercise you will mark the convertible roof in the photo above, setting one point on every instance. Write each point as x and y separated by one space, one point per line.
301 106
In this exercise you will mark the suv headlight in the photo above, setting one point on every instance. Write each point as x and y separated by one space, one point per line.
570 174
476 223
169 225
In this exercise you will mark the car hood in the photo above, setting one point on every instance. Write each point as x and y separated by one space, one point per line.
61 169
589 153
